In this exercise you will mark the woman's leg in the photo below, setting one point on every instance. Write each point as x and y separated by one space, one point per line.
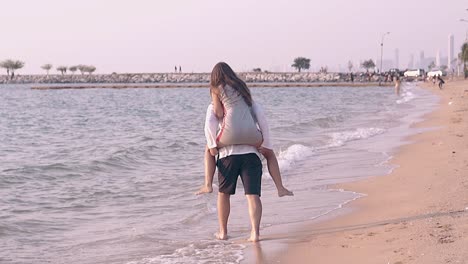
273 169
210 167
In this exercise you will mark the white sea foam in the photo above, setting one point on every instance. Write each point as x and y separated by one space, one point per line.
199 253
355 195
340 138
292 154
406 95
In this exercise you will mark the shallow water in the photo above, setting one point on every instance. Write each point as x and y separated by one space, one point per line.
108 176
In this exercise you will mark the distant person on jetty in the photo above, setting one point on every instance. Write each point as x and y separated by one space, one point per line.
175 69
180 69
397 85
237 141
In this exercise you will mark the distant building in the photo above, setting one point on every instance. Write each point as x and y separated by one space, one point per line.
450 56
386 64
422 60
411 62
428 61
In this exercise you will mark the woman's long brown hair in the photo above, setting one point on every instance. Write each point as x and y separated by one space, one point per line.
223 75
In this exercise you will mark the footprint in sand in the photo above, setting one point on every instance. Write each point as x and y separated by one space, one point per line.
456 120
445 239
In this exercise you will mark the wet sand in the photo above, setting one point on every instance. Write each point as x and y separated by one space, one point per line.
417 214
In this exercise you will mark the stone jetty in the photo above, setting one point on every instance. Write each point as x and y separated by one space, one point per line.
181 78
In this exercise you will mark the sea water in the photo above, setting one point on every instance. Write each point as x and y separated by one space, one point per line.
109 175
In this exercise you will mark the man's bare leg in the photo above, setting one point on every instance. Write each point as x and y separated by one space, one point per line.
210 167
224 208
255 213
273 169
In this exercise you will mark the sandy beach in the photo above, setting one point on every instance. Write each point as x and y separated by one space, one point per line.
417 214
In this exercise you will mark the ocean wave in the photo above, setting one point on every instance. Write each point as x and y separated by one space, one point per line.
320 122
292 154
406 94
340 138
199 252
125 157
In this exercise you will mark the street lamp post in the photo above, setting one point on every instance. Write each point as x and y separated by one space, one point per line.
381 56
466 34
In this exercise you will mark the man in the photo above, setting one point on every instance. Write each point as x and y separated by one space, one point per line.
243 161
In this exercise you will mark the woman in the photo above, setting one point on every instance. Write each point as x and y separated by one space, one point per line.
232 102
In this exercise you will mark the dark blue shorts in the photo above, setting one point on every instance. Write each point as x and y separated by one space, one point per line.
247 166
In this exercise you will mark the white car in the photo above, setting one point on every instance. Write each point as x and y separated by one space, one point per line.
434 73
414 73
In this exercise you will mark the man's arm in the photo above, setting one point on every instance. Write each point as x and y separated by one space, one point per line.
211 126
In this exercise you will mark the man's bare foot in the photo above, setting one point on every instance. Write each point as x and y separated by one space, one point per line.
284 192
221 236
204 189
254 237
213 151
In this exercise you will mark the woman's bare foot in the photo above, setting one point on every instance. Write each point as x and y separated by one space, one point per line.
213 151
254 237
221 236
284 192
204 189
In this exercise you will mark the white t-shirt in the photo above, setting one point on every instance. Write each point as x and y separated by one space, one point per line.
212 124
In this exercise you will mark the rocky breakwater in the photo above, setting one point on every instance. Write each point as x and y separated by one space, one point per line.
250 77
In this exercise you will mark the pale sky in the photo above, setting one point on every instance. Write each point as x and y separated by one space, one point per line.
155 35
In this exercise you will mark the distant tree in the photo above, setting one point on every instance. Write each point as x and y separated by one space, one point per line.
350 65
11 66
86 68
257 70
62 69
431 65
16 66
368 64
323 69
6 64
73 69
90 69
81 68
301 63
463 56
47 67
443 68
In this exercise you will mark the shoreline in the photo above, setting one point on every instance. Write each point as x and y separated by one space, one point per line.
206 85
416 214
